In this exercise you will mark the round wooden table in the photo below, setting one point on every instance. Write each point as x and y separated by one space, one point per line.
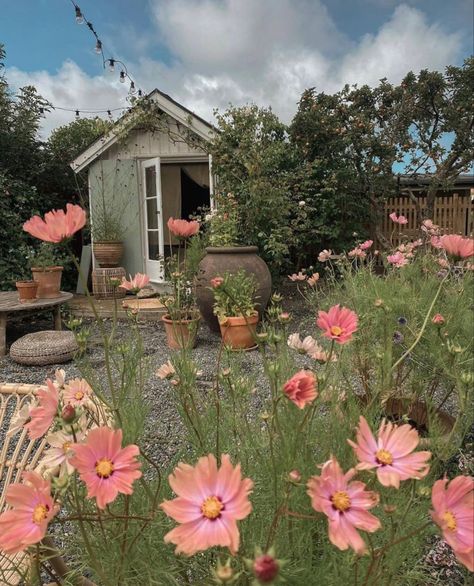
9 304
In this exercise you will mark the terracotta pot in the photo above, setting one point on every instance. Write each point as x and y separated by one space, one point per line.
418 416
219 260
108 253
181 334
27 291
239 332
49 281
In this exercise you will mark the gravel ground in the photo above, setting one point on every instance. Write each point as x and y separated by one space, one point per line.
164 426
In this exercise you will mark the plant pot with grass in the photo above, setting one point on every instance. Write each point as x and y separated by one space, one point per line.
107 237
225 253
47 271
234 306
182 318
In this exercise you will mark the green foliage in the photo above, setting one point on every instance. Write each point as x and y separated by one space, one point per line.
223 222
235 296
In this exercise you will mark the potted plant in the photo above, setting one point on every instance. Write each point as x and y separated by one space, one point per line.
225 254
235 308
107 237
47 271
27 290
182 318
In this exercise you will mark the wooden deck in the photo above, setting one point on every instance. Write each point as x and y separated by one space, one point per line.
79 306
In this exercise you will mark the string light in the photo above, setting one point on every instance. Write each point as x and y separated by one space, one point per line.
79 16
99 49
77 113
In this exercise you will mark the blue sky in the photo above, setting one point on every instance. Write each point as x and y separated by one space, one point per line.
207 53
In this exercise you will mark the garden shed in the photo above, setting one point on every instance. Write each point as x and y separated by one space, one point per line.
152 165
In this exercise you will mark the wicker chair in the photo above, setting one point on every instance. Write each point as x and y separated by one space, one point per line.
17 454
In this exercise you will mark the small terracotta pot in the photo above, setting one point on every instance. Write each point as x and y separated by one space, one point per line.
27 291
239 332
49 281
108 253
181 334
417 413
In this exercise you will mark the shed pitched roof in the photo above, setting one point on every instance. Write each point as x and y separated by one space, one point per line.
174 109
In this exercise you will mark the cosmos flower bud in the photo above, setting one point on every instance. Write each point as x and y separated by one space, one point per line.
294 476
378 302
216 282
265 568
284 317
390 509
438 319
224 573
68 413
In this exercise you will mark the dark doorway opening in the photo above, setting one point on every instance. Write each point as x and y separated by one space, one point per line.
193 196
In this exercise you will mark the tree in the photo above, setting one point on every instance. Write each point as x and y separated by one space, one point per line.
439 114
252 159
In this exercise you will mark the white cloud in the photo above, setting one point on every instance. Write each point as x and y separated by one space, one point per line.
268 52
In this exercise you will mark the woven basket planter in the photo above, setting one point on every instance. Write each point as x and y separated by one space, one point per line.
41 348
101 283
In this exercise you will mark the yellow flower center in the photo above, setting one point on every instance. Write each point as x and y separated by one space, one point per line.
384 457
341 500
450 521
336 330
78 395
212 507
40 512
66 446
104 468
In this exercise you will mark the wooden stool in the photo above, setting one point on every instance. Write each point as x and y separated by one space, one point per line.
101 286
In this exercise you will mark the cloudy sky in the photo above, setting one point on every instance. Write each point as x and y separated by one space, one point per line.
209 53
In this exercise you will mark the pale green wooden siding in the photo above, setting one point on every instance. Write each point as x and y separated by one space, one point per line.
117 184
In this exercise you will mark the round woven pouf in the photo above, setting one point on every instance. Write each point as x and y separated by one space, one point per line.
40 348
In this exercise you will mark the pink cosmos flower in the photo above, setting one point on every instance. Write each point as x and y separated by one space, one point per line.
338 324
301 388
56 459
106 468
183 228
42 416
357 253
454 514
398 219
429 227
165 371
57 224
438 319
366 245
209 502
313 279
457 246
139 281
346 505
216 282
77 392
305 346
391 454
398 259
21 417
297 277
435 241
324 255
33 508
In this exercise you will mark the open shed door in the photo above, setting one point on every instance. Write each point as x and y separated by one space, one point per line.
153 219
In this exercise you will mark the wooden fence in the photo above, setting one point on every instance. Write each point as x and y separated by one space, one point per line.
454 214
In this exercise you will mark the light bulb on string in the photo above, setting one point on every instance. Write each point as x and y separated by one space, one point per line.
77 114
112 65
122 77
79 17
140 93
109 114
132 86
98 47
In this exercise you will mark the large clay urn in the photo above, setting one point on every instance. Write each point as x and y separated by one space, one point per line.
219 260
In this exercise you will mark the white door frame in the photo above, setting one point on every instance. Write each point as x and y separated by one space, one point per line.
153 267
